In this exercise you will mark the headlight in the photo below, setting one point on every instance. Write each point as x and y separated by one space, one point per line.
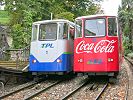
33 61
110 60
80 60
59 61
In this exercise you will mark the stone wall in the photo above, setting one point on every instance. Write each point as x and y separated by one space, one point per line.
3 41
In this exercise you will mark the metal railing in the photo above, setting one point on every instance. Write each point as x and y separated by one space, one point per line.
19 56
2 54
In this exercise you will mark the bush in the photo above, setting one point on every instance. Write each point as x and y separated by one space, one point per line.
130 55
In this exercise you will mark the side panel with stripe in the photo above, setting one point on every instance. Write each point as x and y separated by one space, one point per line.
47 56
65 65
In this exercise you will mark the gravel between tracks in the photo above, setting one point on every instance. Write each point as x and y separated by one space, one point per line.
86 94
21 95
12 87
12 82
60 90
113 92
118 90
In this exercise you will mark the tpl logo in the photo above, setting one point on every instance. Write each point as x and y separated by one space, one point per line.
47 45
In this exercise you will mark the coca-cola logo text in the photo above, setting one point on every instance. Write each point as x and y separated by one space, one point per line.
105 46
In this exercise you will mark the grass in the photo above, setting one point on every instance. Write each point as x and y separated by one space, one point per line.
4 17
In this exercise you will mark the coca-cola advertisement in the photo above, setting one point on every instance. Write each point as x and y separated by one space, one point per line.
106 46
97 45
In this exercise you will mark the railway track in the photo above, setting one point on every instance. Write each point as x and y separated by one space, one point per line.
75 90
102 91
130 70
126 91
129 60
20 88
57 90
89 84
93 86
41 90
31 89
25 90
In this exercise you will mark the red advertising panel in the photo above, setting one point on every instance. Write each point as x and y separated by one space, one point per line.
96 44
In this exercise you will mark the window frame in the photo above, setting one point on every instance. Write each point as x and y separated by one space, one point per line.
60 35
116 19
33 26
70 36
48 39
67 38
94 19
75 35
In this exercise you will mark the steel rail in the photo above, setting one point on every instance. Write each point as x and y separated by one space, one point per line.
126 92
129 60
91 87
41 90
127 86
76 89
20 89
102 91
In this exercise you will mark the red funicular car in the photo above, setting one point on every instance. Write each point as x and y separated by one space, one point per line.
97 45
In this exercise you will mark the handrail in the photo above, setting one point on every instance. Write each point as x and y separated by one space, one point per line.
21 56
1 49
19 49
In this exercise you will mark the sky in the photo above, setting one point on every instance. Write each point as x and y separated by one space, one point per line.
110 6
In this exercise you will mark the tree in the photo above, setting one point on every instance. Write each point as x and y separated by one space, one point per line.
24 12
126 19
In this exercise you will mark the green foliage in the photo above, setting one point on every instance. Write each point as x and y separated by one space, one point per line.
19 37
80 7
17 29
21 32
126 22
24 12
65 15
126 45
4 17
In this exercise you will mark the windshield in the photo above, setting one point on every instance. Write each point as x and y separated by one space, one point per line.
34 32
63 31
112 27
95 27
48 31
78 27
